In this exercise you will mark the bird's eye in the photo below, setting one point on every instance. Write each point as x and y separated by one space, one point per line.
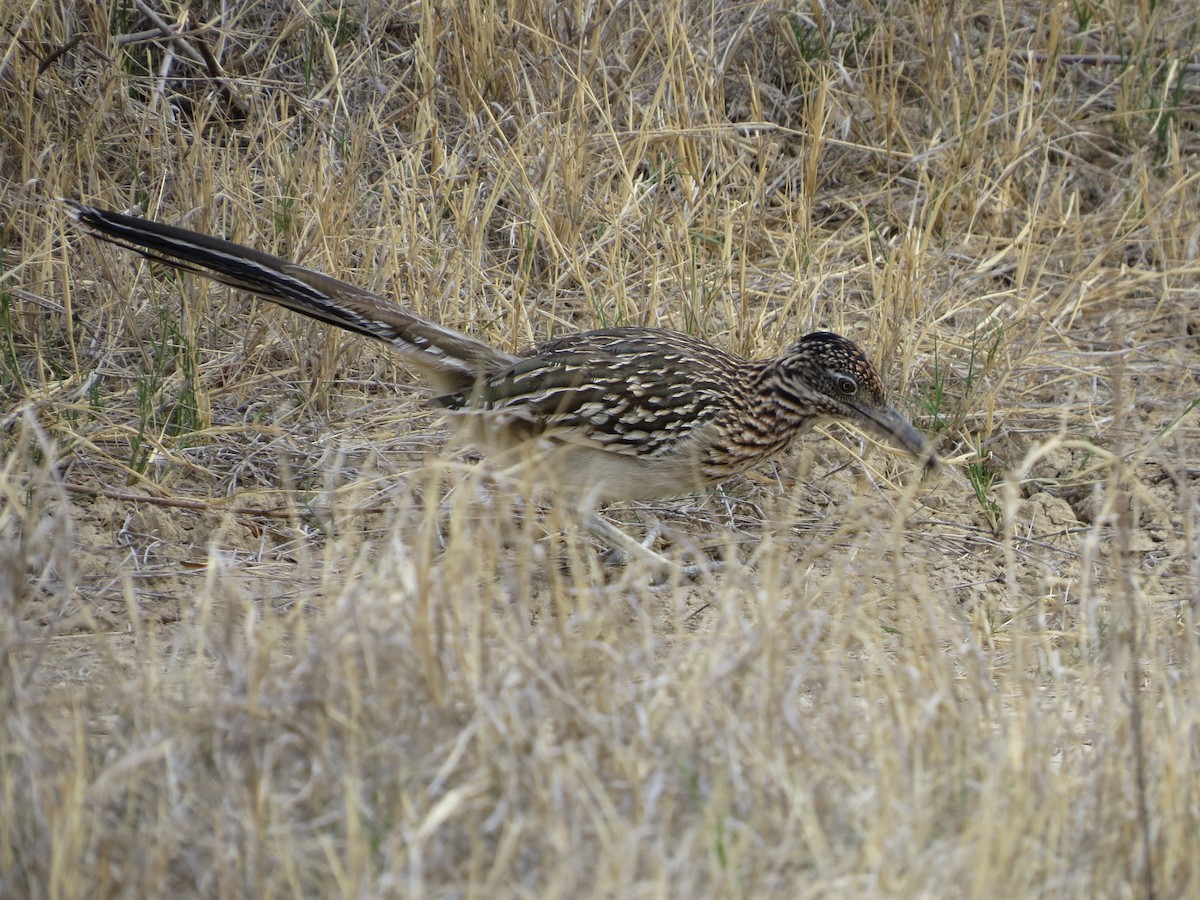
846 385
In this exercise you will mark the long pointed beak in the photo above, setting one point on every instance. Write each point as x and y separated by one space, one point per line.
894 428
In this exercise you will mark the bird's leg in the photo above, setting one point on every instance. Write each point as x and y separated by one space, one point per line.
623 549
620 548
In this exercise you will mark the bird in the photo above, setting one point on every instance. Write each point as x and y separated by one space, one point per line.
619 413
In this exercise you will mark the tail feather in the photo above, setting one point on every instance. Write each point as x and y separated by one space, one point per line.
452 361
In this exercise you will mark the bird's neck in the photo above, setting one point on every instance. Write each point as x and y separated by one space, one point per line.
778 402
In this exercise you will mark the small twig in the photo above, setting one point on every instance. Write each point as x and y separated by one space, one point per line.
164 76
210 61
57 54
188 503
168 32
139 37
1089 59
200 57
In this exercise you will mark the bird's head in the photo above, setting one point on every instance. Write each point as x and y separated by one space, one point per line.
834 376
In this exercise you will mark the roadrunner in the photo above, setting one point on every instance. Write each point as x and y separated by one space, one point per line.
616 414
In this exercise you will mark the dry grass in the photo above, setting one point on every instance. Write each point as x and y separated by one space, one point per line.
262 638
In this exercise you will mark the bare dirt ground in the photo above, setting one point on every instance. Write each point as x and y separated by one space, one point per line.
266 631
